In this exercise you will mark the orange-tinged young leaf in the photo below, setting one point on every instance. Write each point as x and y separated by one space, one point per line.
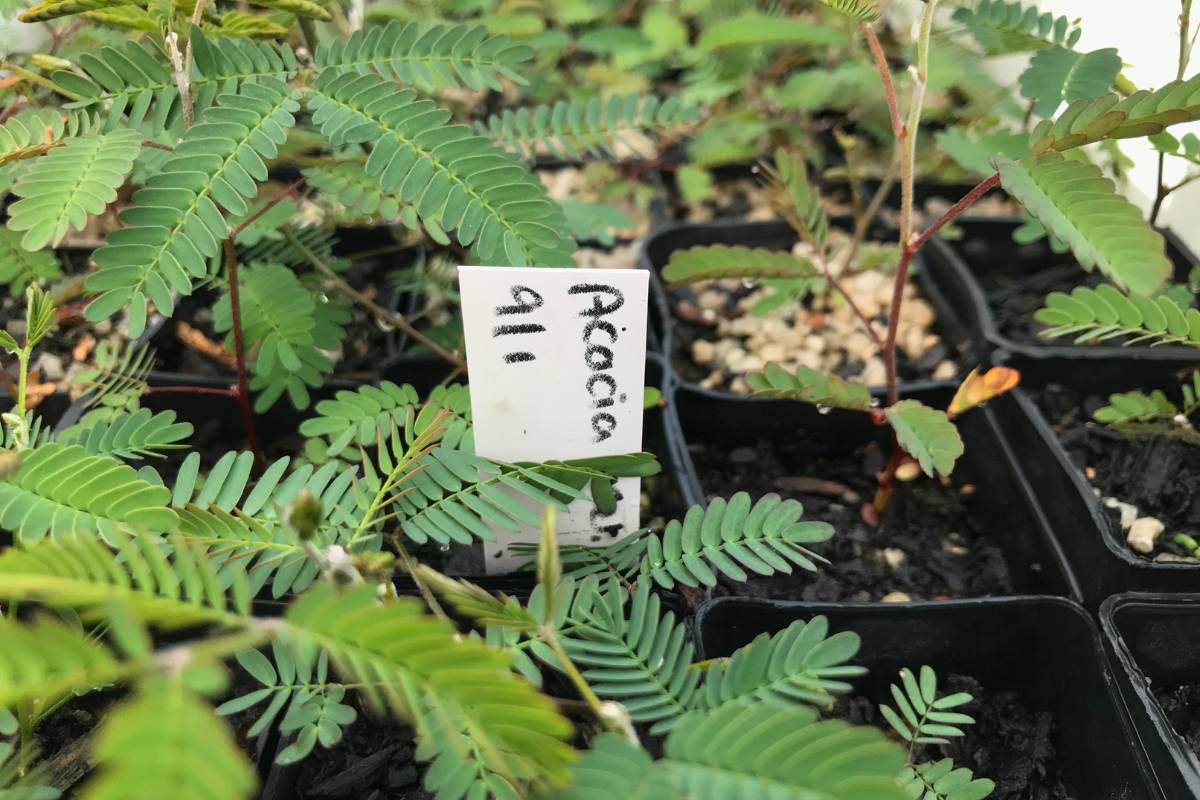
978 389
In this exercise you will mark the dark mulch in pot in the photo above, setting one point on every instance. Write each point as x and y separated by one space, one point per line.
63 739
1158 472
946 553
1182 707
373 761
1009 743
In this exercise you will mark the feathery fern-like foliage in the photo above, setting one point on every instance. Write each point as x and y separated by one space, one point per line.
923 717
927 435
1137 406
862 10
730 538
175 223
939 780
643 659
1105 312
298 682
1112 116
117 377
282 317
572 129
45 659
459 496
420 668
152 745
1079 206
745 751
458 181
1001 26
19 267
63 490
811 386
800 664
131 435
60 190
709 262
346 183
238 523
133 80
163 582
36 131
797 198
1056 74
429 55
368 414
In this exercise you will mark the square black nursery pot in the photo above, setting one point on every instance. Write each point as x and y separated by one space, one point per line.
998 503
1046 651
1091 540
675 340
1154 642
993 286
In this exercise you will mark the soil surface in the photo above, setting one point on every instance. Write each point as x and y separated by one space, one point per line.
1009 742
927 545
1182 706
1159 473
374 761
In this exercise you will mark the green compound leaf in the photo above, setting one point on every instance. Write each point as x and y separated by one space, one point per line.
863 10
733 538
1056 74
175 223
1111 116
1081 207
1096 315
1001 27
927 435
456 180
811 386
708 262
70 183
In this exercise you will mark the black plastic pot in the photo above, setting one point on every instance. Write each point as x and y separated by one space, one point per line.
1030 544
1154 641
1046 650
987 248
1099 558
774 235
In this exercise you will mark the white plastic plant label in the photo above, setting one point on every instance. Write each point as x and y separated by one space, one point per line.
557 366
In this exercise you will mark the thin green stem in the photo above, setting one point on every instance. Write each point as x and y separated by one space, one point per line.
908 136
22 380
550 637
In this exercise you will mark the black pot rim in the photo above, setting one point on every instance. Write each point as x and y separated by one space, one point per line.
1081 484
1002 347
662 302
1180 752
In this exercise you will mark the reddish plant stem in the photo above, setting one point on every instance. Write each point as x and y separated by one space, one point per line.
242 390
274 201
908 251
885 74
229 392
